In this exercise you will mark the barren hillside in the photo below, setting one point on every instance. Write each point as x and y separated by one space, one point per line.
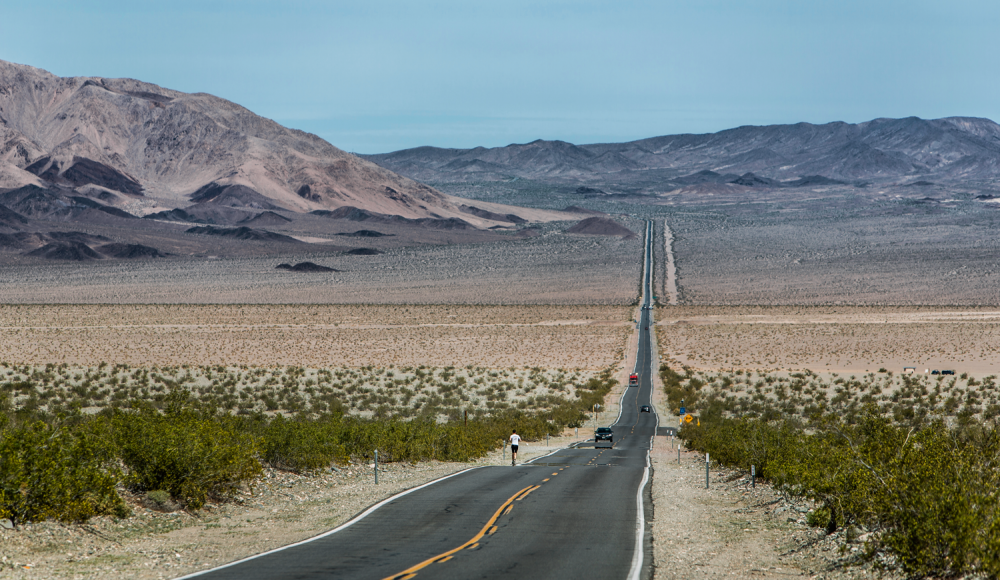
146 147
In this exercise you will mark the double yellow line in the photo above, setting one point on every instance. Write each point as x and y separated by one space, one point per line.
489 528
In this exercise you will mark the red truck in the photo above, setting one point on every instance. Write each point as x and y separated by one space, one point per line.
633 380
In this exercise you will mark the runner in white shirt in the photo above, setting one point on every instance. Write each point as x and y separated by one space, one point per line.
515 439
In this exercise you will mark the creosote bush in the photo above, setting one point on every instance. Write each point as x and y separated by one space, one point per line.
55 471
927 484
69 465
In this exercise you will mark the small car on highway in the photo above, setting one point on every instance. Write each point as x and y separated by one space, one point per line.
604 434
645 409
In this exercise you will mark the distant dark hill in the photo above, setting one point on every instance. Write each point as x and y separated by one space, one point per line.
489 215
812 181
74 251
22 240
304 267
955 148
82 171
363 252
266 218
751 180
365 234
43 203
705 176
130 251
242 233
360 215
204 213
11 218
599 226
232 196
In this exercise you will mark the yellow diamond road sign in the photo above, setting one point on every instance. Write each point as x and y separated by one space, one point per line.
688 418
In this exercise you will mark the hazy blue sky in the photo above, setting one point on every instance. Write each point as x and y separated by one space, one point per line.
376 76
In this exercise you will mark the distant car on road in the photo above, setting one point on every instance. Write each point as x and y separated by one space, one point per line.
604 434
947 372
645 409
935 372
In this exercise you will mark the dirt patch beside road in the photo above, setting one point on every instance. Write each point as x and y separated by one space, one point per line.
732 530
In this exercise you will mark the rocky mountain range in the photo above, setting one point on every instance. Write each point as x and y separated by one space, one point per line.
95 168
803 154
144 148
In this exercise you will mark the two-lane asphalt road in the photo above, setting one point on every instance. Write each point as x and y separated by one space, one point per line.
576 513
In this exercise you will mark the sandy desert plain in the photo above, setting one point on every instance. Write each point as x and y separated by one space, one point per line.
510 342
518 318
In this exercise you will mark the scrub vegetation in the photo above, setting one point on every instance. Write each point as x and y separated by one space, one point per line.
906 462
72 439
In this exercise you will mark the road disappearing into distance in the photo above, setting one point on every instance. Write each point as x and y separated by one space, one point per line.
577 513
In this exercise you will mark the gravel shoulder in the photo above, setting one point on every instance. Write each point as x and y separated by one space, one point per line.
735 530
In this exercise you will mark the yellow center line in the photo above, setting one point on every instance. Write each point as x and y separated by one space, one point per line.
525 494
411 572
544 480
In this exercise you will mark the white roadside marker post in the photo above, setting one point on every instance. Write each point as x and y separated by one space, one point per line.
376 467
706 470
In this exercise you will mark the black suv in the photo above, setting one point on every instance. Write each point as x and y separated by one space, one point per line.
645 409
604 434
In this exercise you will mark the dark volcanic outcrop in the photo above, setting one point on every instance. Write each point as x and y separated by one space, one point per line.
599 226
363 252
304 267
751 180
204 213
74 251
360 215
11 218
232 196
489 215
44 203
22 240
266 218
130 251
242 233
365 234
80 171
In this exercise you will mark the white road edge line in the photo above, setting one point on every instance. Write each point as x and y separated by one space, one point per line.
640 525
640 521
345 525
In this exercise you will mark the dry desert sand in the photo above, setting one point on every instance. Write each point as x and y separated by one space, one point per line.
832 339
584 337
728 530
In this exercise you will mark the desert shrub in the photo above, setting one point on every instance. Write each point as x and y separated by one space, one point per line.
191 454
931 491
677 391
297 444
56 473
